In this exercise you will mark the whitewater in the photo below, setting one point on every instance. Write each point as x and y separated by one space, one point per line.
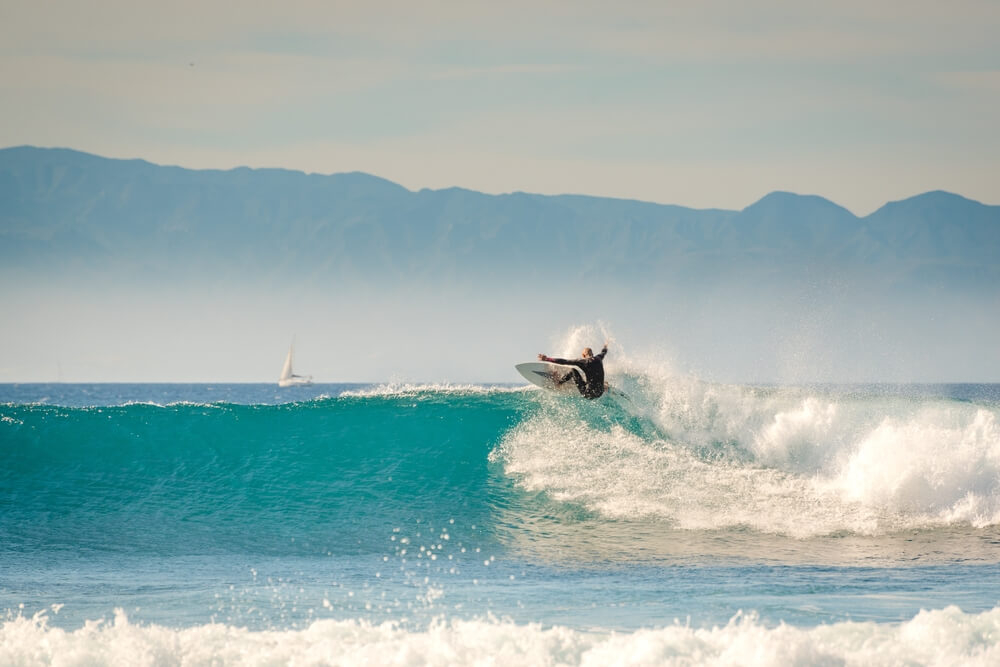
691 523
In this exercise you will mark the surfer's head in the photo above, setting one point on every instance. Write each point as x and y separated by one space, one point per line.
587 353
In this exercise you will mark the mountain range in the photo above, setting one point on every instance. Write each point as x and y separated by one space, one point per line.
67 213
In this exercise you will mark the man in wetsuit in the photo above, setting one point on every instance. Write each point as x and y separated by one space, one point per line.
592 366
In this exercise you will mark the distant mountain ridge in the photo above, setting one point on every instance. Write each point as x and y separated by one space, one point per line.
66 211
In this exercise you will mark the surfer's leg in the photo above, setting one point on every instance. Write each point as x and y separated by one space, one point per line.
576 377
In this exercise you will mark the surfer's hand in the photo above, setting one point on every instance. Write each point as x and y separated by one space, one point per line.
541 357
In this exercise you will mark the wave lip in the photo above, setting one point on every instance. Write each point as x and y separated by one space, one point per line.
939 637
394 389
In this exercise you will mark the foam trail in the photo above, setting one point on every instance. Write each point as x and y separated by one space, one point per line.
942 637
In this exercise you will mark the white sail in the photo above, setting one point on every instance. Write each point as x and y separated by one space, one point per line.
288 377
286 370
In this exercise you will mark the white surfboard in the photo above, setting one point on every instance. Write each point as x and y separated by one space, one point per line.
548 375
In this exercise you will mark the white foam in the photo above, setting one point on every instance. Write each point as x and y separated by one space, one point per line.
792 461
942 637
941 463
624 476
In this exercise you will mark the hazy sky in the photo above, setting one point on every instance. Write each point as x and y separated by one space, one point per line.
699 103
703 103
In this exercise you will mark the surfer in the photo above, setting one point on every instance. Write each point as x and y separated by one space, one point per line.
592 366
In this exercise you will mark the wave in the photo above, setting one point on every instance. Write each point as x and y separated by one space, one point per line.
221 478
346 471
794 461
797 462
939 637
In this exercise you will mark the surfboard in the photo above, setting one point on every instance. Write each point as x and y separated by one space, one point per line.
547 376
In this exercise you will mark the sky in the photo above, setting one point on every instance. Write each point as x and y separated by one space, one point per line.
708 104
701 103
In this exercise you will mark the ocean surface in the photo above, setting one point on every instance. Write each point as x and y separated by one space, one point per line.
690 523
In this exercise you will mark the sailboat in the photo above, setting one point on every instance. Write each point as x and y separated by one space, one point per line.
290 379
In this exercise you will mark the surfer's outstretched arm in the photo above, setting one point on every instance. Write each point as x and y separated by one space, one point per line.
555 360
573 362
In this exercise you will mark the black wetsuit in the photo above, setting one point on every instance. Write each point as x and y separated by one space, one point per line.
593 367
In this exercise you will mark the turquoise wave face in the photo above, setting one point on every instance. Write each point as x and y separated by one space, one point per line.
521 470
325 476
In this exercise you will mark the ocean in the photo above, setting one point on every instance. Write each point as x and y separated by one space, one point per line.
690 523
